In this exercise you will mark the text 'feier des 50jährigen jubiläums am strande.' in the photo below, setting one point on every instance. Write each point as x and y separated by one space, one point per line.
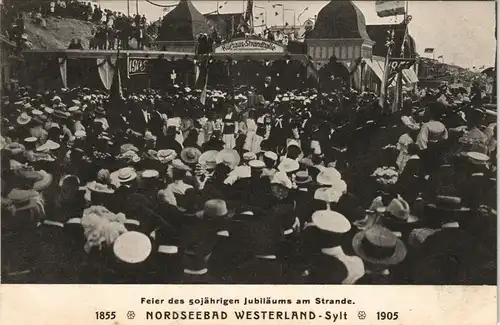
270 311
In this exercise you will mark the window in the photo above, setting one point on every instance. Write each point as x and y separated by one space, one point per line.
323 52
318 52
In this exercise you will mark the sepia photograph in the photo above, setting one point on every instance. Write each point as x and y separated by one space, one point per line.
248 142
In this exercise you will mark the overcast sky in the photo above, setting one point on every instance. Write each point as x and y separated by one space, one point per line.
463 32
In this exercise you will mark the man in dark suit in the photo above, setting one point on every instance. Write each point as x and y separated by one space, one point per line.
268 89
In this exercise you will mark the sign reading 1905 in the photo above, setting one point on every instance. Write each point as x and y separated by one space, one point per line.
137 66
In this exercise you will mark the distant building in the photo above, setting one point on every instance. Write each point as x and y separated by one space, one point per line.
8 61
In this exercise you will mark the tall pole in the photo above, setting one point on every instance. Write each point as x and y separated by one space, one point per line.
137 7
128 7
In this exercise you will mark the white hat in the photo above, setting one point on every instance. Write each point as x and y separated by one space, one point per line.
271 155
30 140
288 165
150 173
132 247
249 156
126 174
292 143
49 145
477 157
331 221
80 134
328 176
257 164
327 194
282 179
37 112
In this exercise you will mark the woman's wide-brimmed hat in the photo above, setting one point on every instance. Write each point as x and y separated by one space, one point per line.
208 159
99 188
229 157
331 221
23 119
288 165
44 181
49 145
378 245
190 155
328 176
132 247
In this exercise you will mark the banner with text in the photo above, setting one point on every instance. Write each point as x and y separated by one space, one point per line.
396 65
137 66
250 45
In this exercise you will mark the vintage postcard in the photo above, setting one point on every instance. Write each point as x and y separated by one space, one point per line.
223 162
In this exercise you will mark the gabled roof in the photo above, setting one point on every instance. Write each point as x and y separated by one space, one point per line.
183 23
340 19
379 34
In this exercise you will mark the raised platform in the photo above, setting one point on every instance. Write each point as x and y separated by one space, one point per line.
161 55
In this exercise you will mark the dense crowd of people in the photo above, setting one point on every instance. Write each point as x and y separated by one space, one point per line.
251 186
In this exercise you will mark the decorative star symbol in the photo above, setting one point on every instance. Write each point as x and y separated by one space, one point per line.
361 315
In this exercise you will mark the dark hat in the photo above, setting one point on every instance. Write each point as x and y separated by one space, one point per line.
378 245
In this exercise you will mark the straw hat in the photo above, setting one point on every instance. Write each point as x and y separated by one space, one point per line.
190 155
477 158
378 245
166 155
215 208
327 194
44 182
150 173
208 159
329 176
23 119
178 164
229 157
99 188
257 164
271 155
331 221
128 147
36 112
249 156
303 177
30 139
124 175
49 145
282 179
399 209
132 247
288 165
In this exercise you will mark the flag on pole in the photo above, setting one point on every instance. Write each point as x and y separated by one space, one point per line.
383 88
429 50
249 15
116 91
387 8
203 96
